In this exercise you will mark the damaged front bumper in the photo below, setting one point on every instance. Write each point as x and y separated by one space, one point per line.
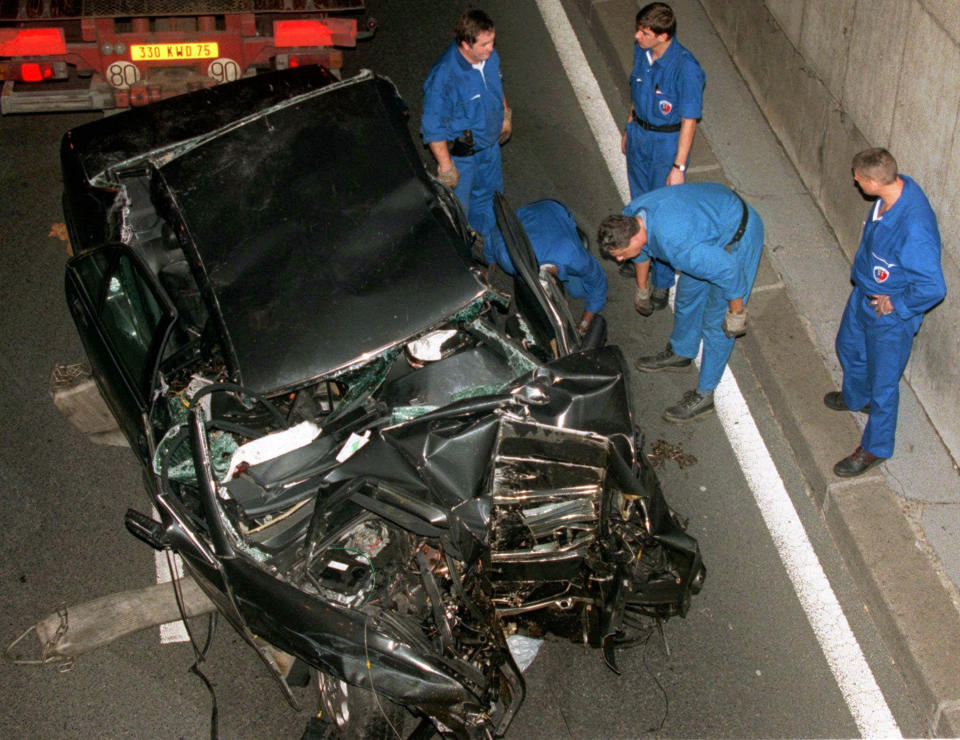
523 512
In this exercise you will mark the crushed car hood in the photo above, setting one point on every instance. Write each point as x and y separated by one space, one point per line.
312 228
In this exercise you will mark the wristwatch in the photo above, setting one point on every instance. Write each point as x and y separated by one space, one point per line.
681 167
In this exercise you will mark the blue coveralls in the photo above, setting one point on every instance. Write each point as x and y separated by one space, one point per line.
553 234
662 92
689 226
458 97
898 256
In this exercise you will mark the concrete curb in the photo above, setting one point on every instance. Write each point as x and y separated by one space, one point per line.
910 604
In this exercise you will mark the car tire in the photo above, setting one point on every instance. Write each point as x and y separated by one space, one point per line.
354 713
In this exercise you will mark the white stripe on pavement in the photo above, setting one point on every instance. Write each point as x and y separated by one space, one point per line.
839 645
594 106
171 631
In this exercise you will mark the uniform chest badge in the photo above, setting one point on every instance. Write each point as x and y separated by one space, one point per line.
665 107
881 272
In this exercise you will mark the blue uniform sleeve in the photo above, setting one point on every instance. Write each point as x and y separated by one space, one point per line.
437 105
920 258
691 89
558 241
633 209
593 279
634 76
553 234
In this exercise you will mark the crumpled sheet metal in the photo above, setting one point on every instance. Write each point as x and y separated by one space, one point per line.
432 477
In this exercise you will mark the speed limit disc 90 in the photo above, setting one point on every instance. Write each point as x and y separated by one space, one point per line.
224 69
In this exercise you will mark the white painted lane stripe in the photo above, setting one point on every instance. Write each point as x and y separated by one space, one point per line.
172 631
844 656
587 89
839 644
701 168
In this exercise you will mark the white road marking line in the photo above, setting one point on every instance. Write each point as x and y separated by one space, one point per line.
594 106
767 288
701 168
172 631
836 638
839 645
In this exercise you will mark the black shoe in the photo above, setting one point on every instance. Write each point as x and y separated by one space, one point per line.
859 462
659 298
692 406
665 360
627 269
834 400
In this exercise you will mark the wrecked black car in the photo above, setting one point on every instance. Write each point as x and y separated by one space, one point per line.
366 456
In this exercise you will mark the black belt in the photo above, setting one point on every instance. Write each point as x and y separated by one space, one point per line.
669 128
743 224
463 145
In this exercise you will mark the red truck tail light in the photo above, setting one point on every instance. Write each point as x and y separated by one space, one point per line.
307 33
31 42
33 71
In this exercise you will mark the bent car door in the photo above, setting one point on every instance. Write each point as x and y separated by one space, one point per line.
539 295
123 318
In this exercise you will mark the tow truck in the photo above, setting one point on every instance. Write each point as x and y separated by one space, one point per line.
69 55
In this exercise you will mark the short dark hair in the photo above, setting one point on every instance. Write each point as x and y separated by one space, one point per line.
615 232
659 18
471 24
876 164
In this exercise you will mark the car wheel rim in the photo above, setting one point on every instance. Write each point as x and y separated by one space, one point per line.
335 697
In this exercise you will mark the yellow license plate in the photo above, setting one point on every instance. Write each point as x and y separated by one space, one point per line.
174 52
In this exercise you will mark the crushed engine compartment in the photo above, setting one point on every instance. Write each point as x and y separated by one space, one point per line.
409 557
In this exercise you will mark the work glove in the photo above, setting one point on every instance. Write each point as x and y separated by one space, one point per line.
450 177
506 131
735 324
641 300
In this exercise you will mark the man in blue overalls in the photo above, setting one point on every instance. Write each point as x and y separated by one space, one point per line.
714 239
666 90
466 118
896 277
553 234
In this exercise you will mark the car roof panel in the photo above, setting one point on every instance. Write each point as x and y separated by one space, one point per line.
117 140
319 233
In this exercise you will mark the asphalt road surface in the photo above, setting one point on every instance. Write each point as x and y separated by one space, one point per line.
745 661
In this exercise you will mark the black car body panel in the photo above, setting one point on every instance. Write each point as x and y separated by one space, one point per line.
364 454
